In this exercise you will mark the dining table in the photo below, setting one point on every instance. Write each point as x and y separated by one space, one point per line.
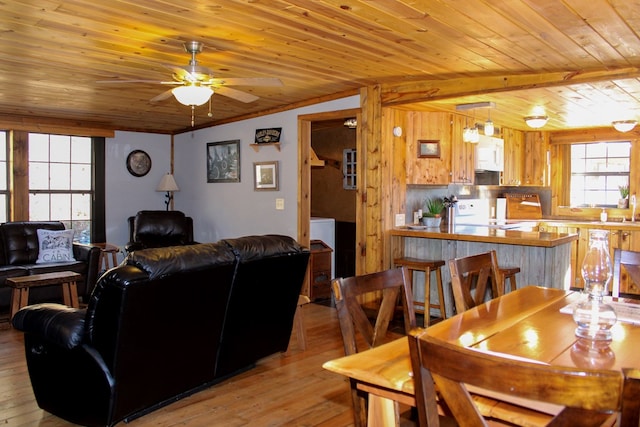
533 323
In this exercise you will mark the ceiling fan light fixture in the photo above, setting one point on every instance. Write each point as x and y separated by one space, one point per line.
536 122
624 125
192 95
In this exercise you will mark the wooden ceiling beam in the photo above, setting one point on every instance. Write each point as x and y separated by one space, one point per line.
431 90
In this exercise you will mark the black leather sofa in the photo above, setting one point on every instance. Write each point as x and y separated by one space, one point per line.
164 324
18 255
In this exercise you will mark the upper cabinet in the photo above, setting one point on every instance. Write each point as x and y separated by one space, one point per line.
536 159
462 154
513 156
430 162
526 161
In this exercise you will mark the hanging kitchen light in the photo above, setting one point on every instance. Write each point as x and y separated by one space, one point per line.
488 126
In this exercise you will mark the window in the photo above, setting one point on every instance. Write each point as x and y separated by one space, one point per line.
597 169
349 169
60 181
4 188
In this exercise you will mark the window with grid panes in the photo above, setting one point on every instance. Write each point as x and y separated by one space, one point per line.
597 171
60 181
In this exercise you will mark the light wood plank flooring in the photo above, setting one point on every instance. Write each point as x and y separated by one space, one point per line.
282 390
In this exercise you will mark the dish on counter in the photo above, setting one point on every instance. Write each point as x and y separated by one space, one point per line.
417 227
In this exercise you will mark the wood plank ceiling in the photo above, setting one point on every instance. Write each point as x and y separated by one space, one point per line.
53 53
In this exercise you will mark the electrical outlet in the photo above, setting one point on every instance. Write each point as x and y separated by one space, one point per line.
280 204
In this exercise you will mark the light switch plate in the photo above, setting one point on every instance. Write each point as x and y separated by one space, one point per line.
280 204
399 220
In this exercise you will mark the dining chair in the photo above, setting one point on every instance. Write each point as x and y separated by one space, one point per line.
376 294
630 260
470 276
588 397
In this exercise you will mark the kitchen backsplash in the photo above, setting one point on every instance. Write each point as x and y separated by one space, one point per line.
416 195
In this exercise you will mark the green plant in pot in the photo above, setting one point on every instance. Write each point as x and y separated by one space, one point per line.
432 214
623 201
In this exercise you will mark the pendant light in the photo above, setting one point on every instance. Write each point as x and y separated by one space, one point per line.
488 126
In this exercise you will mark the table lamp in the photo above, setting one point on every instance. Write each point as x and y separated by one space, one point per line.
168 184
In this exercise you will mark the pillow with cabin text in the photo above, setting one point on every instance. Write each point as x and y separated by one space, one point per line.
55 246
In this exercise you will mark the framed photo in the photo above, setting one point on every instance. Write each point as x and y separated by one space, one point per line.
223 161
265 176
429 148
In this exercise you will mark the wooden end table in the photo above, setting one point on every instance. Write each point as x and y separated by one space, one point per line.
105 250
20 288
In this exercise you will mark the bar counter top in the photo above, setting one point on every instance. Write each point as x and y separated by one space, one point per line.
488 235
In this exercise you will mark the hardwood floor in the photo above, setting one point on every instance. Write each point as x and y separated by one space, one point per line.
282 390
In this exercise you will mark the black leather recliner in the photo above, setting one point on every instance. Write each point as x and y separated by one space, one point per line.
159 229
165 323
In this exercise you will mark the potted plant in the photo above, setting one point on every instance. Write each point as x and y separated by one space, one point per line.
432 215
623 201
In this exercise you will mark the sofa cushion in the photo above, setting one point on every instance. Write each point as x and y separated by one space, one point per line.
20 240
55 246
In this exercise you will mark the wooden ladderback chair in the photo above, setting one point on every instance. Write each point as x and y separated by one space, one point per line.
585 397
470 277
361 329
630 260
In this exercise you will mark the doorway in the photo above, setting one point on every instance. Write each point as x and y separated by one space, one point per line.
313 129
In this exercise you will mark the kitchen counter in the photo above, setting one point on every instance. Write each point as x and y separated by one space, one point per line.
484 234
544 258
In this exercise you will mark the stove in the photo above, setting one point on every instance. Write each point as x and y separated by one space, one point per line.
477 213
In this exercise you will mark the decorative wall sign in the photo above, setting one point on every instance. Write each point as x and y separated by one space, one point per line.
223 161
268 136
429 148
265 176
138 163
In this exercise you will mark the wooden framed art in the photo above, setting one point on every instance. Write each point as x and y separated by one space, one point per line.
265 176
429 148
223 161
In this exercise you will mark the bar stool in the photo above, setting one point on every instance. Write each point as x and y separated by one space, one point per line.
426 266
509 273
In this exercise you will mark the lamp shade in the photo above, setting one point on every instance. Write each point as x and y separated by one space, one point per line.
536 121
167 183
624 125
489 128
192 95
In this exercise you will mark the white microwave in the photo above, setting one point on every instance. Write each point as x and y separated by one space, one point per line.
489 154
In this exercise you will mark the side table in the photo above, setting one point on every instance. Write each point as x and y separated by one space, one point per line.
20 288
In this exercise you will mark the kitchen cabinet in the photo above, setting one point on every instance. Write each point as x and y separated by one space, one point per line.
620 237
462 154
536 167
513 156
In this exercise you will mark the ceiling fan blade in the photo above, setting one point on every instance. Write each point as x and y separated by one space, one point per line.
249 81
235 94
132 81
164 95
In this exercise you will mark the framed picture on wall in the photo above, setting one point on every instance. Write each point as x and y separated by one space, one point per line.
223 161
265 176
429 148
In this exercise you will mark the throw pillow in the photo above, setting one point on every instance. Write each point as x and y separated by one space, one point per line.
55 246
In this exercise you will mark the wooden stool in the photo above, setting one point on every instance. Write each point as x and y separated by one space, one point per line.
105 250
298 324
426 266
21 285
509 273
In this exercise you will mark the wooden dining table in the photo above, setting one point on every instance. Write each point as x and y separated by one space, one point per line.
526 323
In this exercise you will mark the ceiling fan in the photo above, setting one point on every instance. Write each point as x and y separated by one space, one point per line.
195 84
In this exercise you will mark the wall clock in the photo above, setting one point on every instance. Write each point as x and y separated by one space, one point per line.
138 163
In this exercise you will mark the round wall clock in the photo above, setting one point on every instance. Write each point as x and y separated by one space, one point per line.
138 163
